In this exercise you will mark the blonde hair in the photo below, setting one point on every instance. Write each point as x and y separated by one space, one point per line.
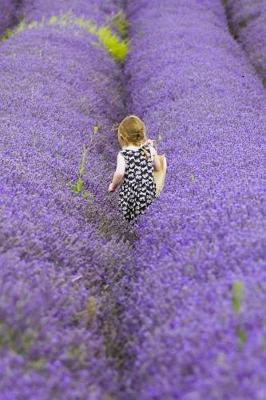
132 130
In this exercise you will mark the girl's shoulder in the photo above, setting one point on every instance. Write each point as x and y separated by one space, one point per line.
135 148
121 152
129 150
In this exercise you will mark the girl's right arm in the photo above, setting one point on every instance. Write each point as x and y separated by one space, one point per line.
118 174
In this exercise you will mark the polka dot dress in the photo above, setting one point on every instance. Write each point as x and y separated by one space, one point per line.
138 189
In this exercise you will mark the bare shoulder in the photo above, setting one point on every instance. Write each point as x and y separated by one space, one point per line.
120 157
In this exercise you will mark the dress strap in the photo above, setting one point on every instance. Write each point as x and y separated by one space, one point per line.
141 148
145 145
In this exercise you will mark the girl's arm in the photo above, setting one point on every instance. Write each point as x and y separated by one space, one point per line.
118 174
156 162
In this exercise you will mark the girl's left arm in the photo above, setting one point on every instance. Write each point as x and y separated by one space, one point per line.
119 173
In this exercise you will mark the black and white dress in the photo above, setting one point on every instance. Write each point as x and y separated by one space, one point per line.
138 189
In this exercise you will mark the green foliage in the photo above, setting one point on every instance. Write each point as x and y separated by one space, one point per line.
6 35
9 32
38 364
15 340
117 48
20 342
88 314
237 296
86 24
76 355
79 184
241 334
120 23
91 307
237 299
87 196
22 26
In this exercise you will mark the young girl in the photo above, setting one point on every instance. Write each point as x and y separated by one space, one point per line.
134 169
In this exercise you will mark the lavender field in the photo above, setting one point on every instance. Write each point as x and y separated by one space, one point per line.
91 307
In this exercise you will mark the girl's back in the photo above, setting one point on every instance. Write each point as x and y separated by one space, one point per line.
134 170
138 188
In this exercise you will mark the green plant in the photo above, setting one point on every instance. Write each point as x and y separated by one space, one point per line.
6 35
116 48
78 186
120 23
237 299
16 341
237 296
241 334
38 364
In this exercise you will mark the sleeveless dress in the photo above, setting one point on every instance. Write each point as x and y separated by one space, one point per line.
138 189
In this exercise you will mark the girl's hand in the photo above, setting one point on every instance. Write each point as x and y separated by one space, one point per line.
150 141
111 188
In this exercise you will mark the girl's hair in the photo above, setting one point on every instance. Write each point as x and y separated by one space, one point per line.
132 130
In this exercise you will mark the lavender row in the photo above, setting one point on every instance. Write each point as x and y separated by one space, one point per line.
205 105
247 20
56 247
98 11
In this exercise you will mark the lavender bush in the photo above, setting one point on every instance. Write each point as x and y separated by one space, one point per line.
98 11
204 103
247 21
57 247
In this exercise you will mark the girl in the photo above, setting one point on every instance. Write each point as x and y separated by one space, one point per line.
135 164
